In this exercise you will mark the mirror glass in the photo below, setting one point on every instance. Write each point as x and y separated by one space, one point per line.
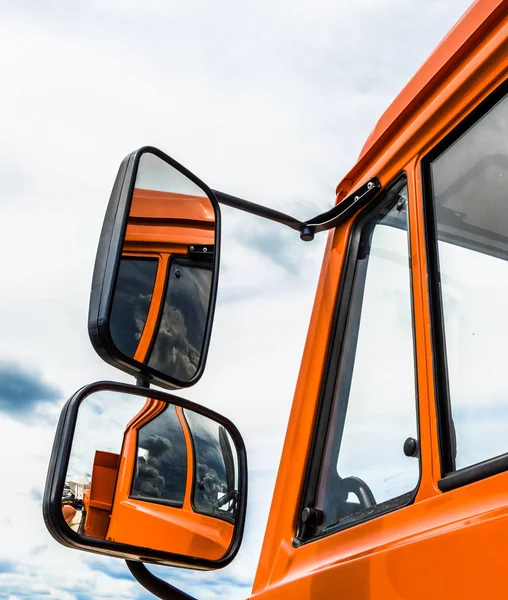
148 473
161 295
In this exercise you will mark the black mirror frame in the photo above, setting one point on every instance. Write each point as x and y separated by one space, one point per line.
57 470
107 263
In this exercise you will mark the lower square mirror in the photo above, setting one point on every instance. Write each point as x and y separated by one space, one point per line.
143 473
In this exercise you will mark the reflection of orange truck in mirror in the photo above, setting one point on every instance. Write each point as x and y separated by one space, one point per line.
170 236
148 494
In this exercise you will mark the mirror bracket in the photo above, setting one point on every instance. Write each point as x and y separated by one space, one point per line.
142 382
345 208
322 222
152 583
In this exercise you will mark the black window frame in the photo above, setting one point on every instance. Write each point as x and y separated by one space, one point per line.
451 478
334 360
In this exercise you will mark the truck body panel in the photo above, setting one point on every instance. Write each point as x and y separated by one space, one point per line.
442 544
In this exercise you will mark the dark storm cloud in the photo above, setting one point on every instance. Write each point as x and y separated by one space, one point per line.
157 445
22 389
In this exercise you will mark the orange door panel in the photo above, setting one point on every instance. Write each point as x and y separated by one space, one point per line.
153 522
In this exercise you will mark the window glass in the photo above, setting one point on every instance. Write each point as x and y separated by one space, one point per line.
216 478
183 320
161 469
374 410
470 182
131 302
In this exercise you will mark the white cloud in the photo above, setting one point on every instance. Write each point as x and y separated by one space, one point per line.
271 101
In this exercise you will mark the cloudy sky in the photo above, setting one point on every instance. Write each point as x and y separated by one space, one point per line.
271 101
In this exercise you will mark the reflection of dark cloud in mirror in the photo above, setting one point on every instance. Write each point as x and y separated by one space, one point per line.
179 337
131 302
211 479
161 469
210 486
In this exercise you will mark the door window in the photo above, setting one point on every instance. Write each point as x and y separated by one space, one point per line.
182 321
215 487
161 468
131 302
467 221
370 459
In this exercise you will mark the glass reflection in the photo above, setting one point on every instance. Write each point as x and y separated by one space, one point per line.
161 469
215 490
179 335
140 471
162 292
133 294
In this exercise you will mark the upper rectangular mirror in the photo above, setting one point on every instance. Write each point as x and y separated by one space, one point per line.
155 279
135 472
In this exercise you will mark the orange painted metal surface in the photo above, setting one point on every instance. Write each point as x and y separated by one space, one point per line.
68 512
98 498
462 39
157 526
158 217
444 545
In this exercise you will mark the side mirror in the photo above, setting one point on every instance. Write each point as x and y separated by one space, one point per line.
156 272
158 478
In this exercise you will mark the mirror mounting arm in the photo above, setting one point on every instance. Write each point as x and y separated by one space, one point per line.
322 222
259 210
157 587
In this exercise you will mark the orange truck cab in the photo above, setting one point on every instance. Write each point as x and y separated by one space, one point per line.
147 494
393 479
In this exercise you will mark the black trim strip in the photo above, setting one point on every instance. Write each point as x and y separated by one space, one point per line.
443 406
477 472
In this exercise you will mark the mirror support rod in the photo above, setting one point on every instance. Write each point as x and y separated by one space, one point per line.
327 220
259 210
157 587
